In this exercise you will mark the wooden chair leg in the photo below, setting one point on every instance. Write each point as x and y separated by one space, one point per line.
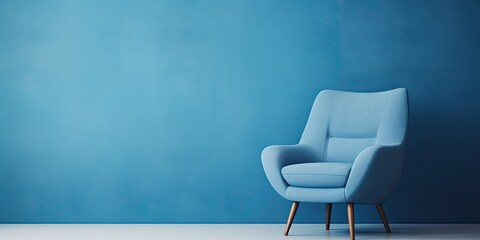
351 221
293 210
328 215
383 217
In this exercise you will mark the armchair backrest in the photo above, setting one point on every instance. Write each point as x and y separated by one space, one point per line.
342 124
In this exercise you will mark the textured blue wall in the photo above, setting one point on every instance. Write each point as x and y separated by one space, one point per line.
157 111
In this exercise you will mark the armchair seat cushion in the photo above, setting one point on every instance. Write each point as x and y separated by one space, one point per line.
317 175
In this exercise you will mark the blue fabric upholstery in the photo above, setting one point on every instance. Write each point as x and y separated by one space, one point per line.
317 175
366 130
325 195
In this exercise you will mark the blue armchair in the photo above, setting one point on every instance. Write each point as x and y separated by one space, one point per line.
351 151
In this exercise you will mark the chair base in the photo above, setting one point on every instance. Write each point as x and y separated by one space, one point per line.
291 216
383 217
351 221
351 216
328 212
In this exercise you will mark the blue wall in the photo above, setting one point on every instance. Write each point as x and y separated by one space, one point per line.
157 111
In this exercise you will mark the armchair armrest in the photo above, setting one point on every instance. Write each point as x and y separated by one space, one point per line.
274 158
374 174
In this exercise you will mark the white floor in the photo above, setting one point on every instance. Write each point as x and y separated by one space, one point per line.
233 231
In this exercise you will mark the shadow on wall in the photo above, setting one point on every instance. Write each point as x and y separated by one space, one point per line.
441 169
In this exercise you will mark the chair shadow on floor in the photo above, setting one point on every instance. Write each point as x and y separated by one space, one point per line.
399 231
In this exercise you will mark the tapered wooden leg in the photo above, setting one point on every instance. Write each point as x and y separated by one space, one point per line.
290 217
351 221
328 215
383 217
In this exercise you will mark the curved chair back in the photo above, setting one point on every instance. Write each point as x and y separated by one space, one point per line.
342 124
